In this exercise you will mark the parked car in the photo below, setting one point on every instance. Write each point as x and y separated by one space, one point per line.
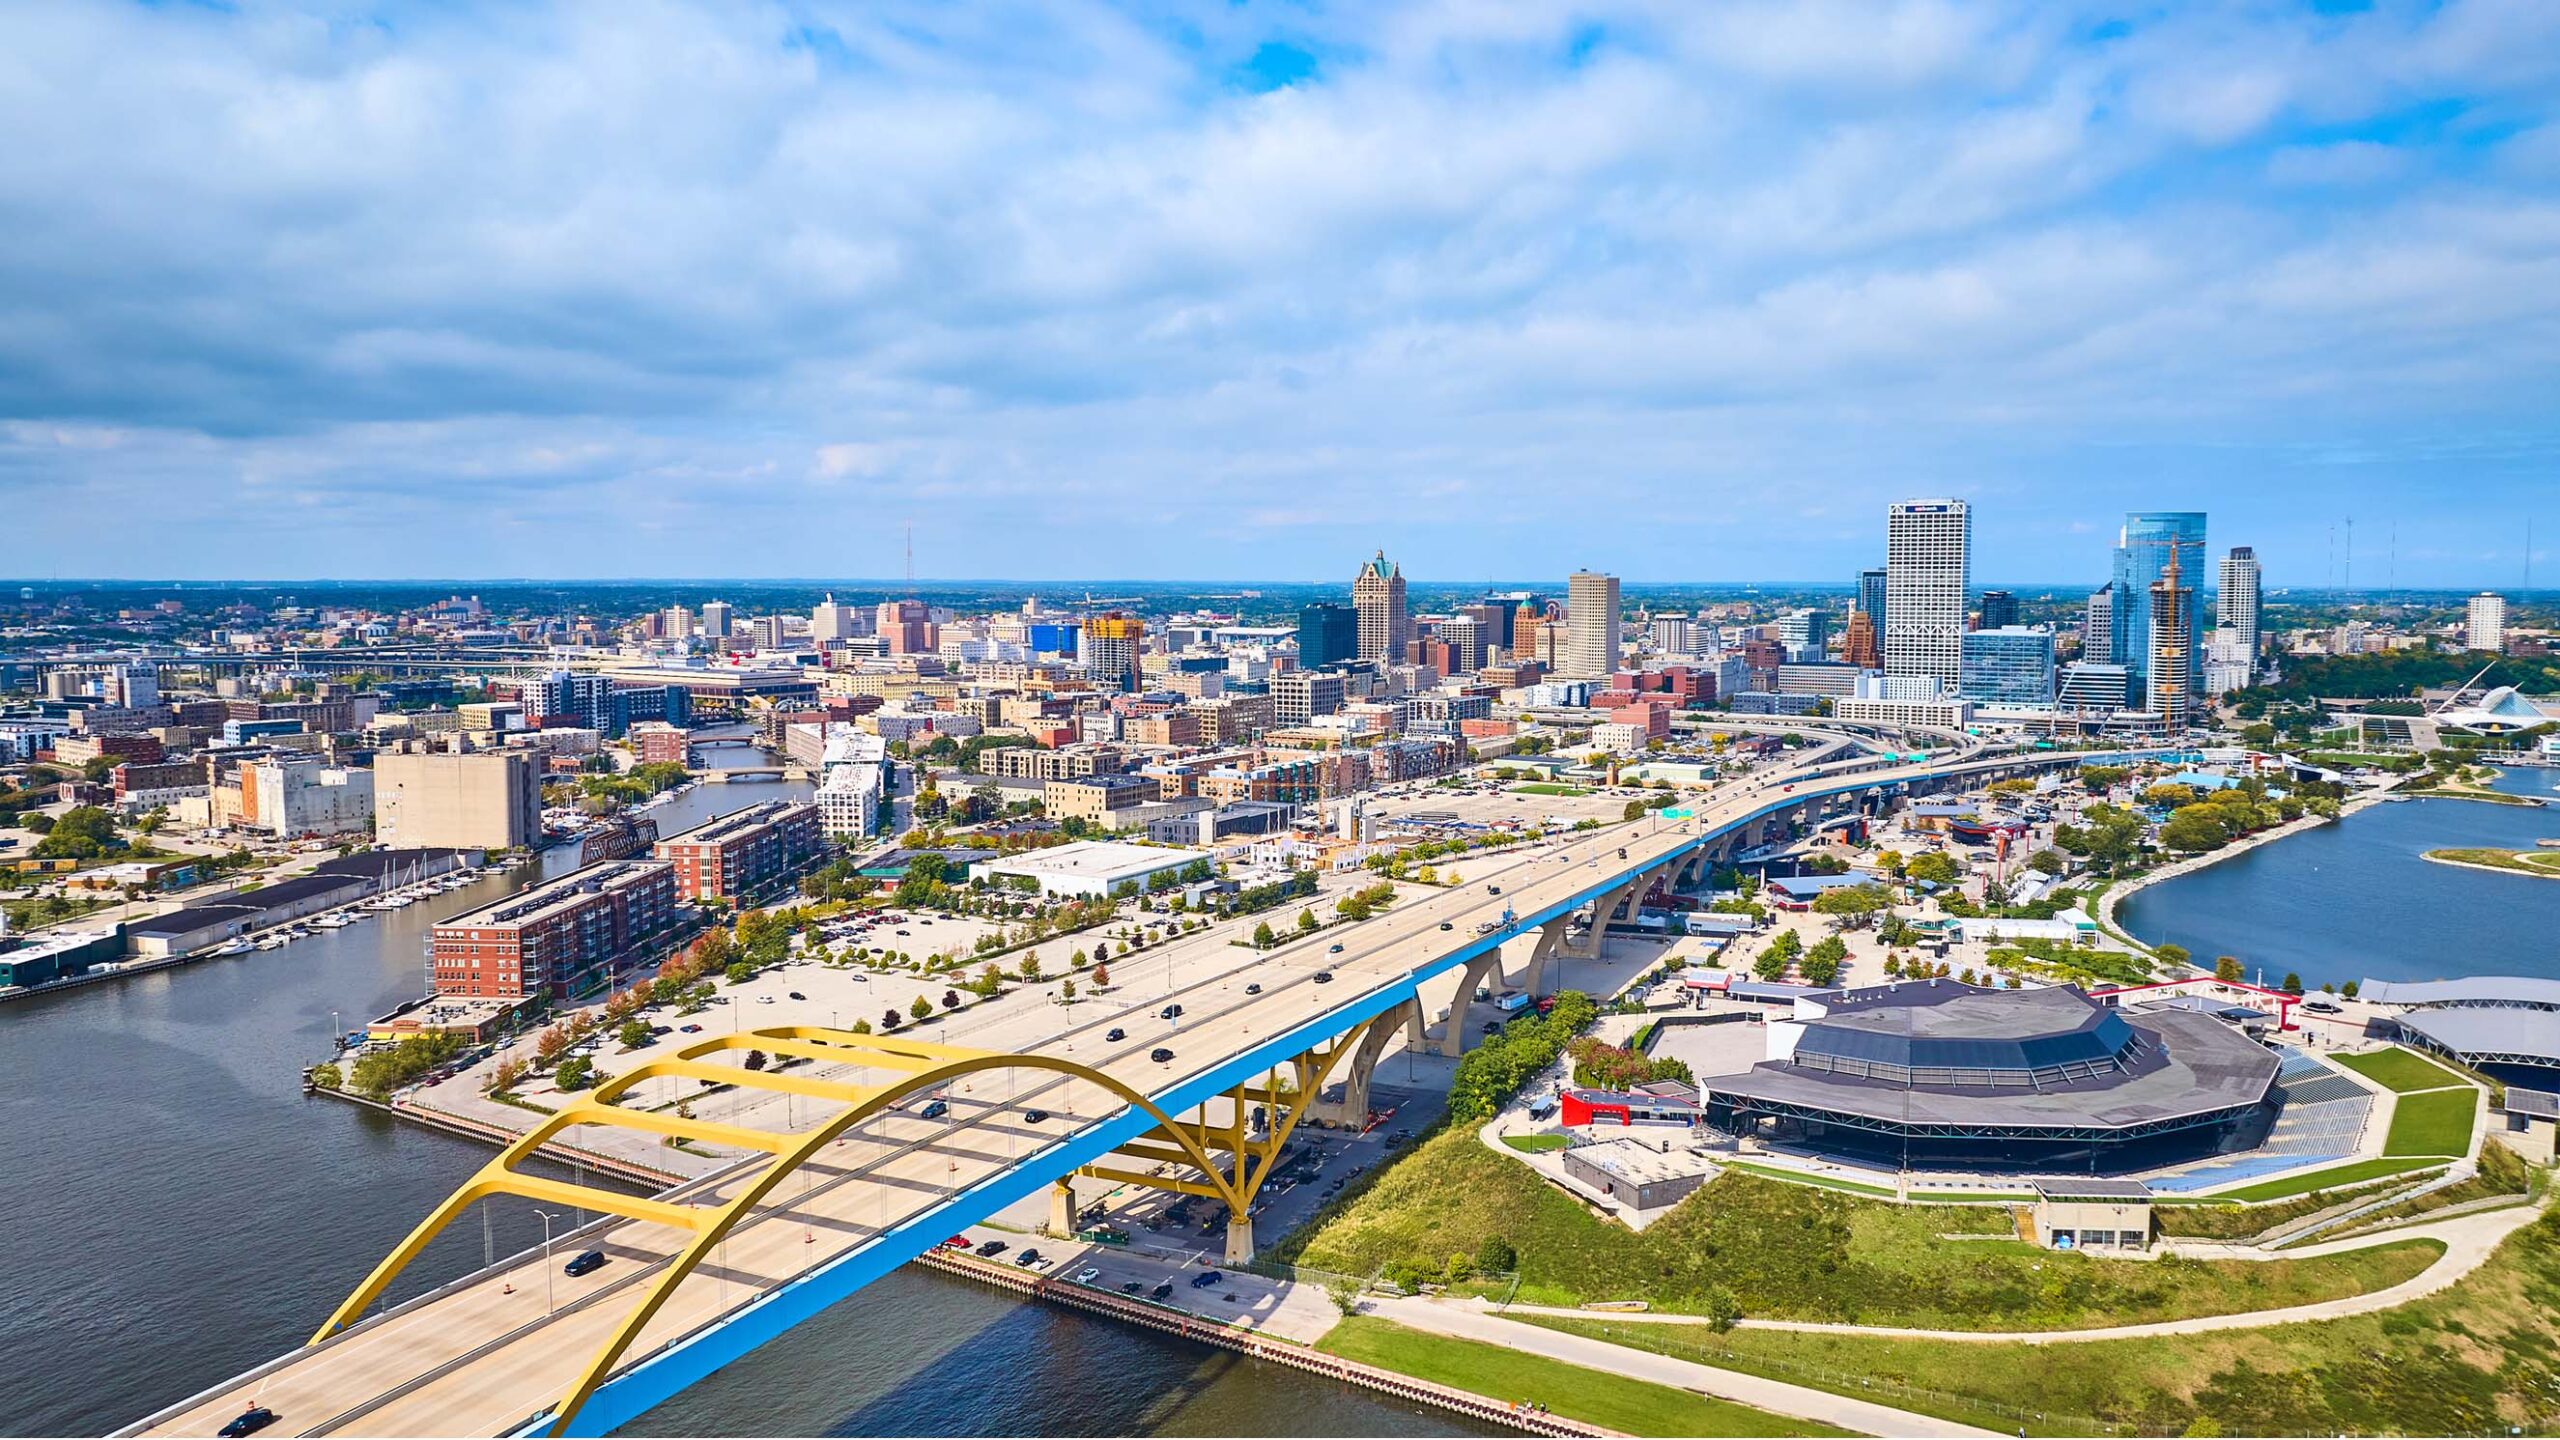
956 1242
587 1262
690 1029
991 1249
1445 925
1027 1259
796 995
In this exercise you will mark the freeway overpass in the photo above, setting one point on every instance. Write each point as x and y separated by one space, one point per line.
706 1272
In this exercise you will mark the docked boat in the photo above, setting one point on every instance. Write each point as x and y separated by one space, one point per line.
332 921
240 946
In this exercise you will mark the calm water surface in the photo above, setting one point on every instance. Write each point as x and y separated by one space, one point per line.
2357 900
178 1212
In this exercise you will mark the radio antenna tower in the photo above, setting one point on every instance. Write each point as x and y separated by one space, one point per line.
911 555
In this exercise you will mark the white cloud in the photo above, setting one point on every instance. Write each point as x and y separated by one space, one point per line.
1050 259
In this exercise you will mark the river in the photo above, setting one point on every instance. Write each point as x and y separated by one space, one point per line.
176 1211
2358 901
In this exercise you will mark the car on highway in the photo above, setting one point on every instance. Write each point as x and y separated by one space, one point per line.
1254 989
1170 1012
935 1109
1160 1055
1034 1117
250 1422
587 1262
1445 925
1117 1034
1336 950
1493 889
796 995
1324 977
1163 1291
1132 1287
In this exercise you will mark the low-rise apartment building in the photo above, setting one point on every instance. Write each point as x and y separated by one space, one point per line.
741 854
564 939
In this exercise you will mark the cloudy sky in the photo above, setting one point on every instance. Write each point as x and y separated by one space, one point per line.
1687 291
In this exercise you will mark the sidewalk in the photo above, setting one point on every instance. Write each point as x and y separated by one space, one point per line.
1776 1396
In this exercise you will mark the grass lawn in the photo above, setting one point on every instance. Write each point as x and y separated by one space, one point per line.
2287 1186
2472 1359
1548 787
2525 862
1636 1407
2401 1070
2432 1122
1534 1144
1789 1251
1798 1177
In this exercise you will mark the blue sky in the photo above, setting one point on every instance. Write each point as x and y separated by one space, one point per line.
1684 291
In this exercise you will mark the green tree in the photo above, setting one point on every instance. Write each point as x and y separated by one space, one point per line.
634 1034
575 1073
1822 962
1263 939
1935 867
1495 1256
1306 921
920 1007
2227 969
2171 954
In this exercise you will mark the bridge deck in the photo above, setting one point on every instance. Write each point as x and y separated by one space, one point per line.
479 1360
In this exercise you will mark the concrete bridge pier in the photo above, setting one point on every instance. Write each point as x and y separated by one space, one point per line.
1062 1207
1352 1110
1539 946
1239 1239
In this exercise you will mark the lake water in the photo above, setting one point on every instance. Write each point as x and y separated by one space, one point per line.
2357 900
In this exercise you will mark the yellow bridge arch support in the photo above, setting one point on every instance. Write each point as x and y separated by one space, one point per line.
919 1065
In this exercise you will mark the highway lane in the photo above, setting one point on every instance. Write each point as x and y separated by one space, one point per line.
485 1357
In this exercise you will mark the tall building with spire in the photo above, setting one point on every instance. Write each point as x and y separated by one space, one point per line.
1377 592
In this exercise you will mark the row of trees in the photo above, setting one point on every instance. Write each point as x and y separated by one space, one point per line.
1493 1072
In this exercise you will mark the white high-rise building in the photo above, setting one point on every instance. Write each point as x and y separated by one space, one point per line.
2236 602
831 623
1591 625
1928 569
715 619
2484 625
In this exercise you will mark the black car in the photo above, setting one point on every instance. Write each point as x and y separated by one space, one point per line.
1170 1012
1493 889
1117 1034
251 1421
1132 1287
991 1247
1159 1054
1445 925
1163 1290
1324 977
796 995
1027 1259
1205 1279
1253 989
1034 1117
586 1262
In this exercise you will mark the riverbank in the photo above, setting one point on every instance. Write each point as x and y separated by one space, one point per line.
498 1137
1170 1320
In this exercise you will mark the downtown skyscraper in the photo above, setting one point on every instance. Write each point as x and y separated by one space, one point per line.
2143 551
1928 567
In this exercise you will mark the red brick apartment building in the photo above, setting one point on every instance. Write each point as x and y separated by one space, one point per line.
561 938
742 853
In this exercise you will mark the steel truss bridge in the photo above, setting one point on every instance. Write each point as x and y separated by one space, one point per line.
857 1179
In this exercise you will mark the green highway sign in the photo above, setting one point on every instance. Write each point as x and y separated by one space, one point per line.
1679 812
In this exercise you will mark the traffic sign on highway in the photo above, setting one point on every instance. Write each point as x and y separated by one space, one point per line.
1676 812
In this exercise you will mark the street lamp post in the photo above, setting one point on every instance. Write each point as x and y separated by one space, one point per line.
547 1218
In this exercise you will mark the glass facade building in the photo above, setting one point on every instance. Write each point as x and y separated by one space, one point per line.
2142 554
2011 665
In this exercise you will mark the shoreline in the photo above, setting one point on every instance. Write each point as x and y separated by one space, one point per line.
2438 857
2110 918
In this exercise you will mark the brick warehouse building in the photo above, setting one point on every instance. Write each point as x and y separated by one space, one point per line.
743 852
562 938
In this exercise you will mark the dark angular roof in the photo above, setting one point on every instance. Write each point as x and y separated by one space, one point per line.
1946 1025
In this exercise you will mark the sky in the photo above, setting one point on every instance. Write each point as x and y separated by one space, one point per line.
1688 292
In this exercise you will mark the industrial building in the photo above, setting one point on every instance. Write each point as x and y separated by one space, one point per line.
1093 869
486 801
